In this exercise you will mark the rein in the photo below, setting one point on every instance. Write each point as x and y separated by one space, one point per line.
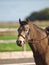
40 39
35 40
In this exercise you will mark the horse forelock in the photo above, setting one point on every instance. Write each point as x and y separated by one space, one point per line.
24 23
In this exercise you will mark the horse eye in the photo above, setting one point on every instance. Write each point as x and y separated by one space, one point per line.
26 31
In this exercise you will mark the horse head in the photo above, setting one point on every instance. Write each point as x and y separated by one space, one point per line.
23 32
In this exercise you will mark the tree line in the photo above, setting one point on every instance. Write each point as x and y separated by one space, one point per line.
40 15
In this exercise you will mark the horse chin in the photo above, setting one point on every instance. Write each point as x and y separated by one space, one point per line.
19 45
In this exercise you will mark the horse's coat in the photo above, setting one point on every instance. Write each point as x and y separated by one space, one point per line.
37 40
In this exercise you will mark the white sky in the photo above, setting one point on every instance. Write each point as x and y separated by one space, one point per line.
12 10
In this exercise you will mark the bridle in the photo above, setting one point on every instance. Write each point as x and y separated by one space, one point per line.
25 35
22 36
34 40
40 39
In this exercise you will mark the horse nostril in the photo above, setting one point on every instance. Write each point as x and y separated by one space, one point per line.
18 42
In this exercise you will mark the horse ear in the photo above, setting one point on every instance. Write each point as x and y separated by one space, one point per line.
19 20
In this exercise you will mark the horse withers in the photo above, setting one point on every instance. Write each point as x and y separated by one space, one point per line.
37 40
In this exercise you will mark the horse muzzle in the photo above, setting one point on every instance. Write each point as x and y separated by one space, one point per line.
18 43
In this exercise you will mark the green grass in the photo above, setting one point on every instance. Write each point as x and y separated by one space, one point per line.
12 47
4 47
18 26
8 26
8 37
45 25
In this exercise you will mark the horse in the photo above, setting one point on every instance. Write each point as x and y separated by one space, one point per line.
37 40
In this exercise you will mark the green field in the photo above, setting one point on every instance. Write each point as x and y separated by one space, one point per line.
9 47
16 24
41 25
8 37
13 46
9 24
45 25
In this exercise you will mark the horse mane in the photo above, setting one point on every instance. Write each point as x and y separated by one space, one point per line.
38 28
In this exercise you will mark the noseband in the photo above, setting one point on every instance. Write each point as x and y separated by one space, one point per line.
22 36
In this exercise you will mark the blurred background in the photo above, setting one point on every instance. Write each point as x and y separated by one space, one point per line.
10 12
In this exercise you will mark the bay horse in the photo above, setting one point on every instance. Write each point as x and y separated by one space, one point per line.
37 40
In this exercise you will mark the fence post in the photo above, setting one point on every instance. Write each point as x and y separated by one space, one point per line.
24 47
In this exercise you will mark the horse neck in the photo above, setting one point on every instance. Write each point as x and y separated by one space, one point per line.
36 31
37 34
32 30
32 35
